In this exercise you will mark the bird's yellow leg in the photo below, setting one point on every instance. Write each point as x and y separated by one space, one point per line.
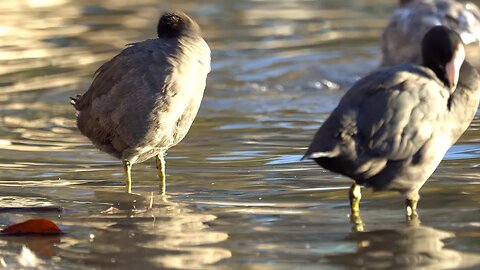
355 196
411 204
127 167
160 161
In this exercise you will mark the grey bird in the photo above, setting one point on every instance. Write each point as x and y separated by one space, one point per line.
144 100
393 127
408 24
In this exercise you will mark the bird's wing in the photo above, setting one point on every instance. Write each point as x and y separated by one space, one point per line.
124 88
389 114
107 76
396 118
163 91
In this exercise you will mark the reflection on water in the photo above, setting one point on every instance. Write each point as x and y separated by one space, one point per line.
238 197
416 246
157 232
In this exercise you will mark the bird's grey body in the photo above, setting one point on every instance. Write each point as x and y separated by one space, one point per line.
393 127
144 100
402 37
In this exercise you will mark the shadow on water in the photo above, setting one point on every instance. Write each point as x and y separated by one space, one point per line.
238 195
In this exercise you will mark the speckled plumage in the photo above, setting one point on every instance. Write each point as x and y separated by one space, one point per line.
144 100
401 38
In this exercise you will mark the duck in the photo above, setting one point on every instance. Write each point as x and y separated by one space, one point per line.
144 100
392 128
401 39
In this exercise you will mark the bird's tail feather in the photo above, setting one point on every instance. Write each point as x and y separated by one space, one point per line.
314 155
73 100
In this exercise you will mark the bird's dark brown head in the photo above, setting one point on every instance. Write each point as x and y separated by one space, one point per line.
175 24
443 52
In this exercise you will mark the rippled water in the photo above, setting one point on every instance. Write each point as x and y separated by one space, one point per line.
237 196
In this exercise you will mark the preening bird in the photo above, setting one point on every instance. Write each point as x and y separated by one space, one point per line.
393 127
408 24
144 100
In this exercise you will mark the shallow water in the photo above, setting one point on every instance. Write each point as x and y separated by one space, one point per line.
237 196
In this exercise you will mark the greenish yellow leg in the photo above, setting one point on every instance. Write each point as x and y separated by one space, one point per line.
411 204
355 196
161 172
127 167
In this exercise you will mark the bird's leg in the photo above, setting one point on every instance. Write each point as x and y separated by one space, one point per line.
160 161
127 167
411 204
357 222
355 195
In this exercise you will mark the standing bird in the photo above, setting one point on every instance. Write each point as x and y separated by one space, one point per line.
393 127
144 100
402 37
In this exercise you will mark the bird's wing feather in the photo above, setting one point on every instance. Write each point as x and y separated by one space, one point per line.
174 84
123 89
388 115
397 117
108 75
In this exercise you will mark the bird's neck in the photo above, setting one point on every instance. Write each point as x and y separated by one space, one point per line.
439 70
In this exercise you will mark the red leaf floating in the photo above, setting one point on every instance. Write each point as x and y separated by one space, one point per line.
33 226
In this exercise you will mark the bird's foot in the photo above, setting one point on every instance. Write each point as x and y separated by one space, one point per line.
357 222
411 208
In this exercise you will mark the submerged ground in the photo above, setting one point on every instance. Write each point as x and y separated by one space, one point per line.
237 197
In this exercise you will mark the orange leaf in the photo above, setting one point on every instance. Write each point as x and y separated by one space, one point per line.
33 226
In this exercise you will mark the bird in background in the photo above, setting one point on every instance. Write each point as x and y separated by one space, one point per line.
393 127
144 100
401 39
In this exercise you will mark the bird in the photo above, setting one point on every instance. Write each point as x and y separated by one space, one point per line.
392 128
144 100
401 39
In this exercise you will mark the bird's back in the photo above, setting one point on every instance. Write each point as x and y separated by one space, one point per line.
144 99
382 126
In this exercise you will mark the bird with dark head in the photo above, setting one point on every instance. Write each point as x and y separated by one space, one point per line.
401 38
174 24
393 127
144 100
443 52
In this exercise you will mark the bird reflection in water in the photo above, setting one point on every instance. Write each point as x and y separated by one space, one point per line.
409 247
167 232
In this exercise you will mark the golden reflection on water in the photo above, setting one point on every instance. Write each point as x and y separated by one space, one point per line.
182 238
412 246
278 68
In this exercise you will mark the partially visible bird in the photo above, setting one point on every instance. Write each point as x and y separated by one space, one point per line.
408 24
393 127
144 100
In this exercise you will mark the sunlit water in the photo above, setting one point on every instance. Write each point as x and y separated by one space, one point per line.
237 197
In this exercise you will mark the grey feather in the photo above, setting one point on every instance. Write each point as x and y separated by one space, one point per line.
393 127
402 37
144 100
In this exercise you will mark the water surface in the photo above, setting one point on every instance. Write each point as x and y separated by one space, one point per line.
237 197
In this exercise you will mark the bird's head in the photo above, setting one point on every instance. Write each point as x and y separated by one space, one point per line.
443 52
175 24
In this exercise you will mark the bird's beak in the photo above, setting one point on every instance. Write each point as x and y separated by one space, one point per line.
453 67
